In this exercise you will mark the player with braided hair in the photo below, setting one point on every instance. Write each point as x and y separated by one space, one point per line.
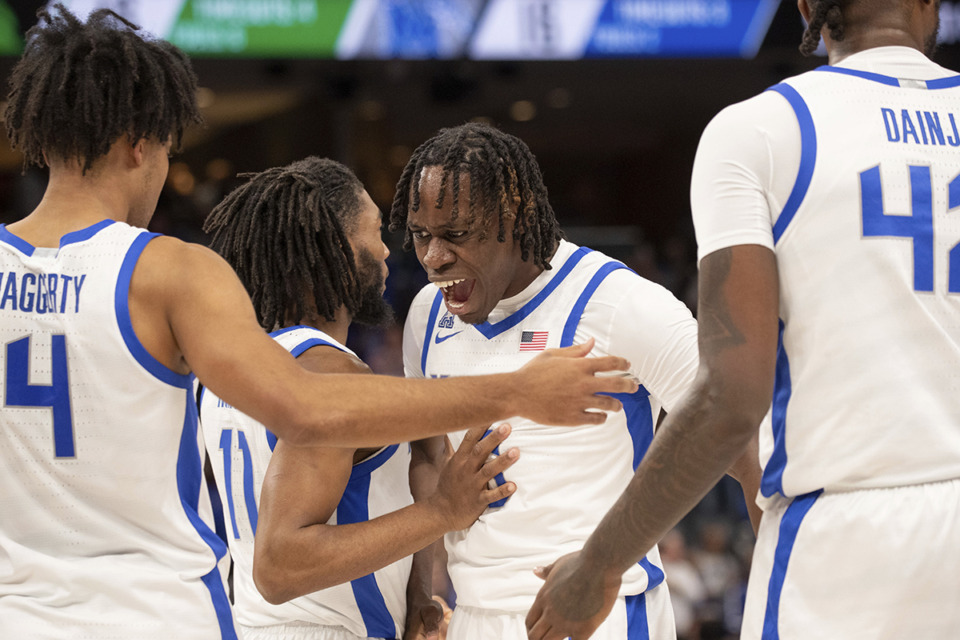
305 241
830 287
505 284
104 326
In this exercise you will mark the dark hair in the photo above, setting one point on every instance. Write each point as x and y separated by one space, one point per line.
503 172
80 86
823 12
285 233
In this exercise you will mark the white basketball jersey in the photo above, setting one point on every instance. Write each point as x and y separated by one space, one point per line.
868 250
567 478
100 535
240 448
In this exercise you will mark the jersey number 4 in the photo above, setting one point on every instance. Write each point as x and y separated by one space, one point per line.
918 226
18 392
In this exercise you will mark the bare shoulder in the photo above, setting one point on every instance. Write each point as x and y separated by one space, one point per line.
328 359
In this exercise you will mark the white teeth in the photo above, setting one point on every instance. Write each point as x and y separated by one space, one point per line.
448 283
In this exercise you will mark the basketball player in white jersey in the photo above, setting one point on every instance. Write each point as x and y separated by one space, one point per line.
506 285
103 324
335 527
829 252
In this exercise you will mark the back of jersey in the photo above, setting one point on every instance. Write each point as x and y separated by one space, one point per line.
868 250
99 463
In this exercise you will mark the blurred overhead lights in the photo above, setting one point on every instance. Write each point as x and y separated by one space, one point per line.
371 110
205 97
523 111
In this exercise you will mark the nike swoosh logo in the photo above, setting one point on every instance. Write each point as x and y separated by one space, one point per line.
438 339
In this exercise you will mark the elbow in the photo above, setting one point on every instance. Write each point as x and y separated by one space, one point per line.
270 583
301 427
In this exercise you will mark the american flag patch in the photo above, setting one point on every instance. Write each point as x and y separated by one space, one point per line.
533 340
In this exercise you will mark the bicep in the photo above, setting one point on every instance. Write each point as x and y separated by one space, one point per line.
302 487
739 327
216 330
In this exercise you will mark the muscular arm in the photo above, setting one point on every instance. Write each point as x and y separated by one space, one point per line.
296 552
191 312
697 443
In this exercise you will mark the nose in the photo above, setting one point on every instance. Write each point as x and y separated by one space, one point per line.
437 255
386 250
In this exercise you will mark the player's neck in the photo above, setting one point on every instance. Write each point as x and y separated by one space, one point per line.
338 328
69 204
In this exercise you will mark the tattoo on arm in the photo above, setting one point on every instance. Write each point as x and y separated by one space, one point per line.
717 328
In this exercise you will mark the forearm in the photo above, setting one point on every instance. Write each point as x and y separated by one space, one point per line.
692 450
365 411
320 556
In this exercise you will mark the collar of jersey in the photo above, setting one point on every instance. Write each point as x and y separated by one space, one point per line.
70 238
492 330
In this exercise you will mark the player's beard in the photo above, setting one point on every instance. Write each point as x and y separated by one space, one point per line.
374 311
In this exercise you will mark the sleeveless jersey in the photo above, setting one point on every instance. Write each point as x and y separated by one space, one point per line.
100 531
240 447
567 478
868 249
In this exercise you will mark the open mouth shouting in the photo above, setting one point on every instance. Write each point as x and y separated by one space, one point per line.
456 293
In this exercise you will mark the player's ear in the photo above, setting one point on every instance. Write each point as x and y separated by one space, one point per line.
136 151
804 7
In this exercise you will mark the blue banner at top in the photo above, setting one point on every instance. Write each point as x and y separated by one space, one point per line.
680 28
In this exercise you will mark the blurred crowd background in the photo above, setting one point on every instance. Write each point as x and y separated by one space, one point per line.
615 134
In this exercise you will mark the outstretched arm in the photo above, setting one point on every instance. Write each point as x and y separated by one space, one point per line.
696 444
192 313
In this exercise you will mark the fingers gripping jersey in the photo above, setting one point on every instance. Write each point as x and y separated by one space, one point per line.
240 448
567 478
100 477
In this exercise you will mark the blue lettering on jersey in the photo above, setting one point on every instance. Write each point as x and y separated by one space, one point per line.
927 129
908 128
446 322
37 293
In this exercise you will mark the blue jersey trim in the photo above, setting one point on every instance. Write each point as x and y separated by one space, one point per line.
353 508
248 492
789 526
280 332
493 330
498 479
84 234
944 83
772 480
214 582
189 484
866 75
570 327
638 628
808 157
310 343
636 406
372 463
431 321
296 352
121 304
16 242
70 238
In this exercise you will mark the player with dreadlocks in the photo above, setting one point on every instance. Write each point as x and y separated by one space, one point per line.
829 288
506 285
104 326
305 241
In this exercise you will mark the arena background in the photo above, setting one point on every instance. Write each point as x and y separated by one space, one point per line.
613 123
